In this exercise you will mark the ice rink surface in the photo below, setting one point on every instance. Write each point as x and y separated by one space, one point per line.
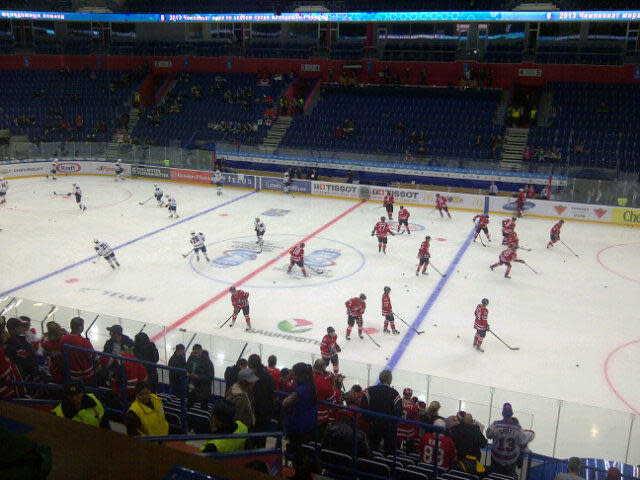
576 322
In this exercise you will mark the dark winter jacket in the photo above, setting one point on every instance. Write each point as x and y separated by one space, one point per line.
263 398
146 350
203 368
177 380
468 440
339 438
127 345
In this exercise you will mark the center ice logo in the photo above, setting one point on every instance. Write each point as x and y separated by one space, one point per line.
322 258
301 326
232 258
413 227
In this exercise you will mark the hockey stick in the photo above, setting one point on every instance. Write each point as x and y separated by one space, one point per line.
185 255
371 338
532 269
190 342
318 271
243 349
434 267
62 194
86 333
569 248
505 344
225 322
142 203
419 332
142 328
8 307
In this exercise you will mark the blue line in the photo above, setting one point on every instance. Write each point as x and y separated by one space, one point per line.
406 340
130 242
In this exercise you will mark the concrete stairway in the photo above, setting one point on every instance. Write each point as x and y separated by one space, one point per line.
515 142
278 129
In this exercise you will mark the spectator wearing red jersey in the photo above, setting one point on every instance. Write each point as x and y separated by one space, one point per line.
9 373
53 351
445 454
288 382
81 364
407 433
329 349
324 392
22 353
274 371
134 373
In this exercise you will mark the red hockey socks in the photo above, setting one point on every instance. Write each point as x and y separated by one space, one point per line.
379 246
424 268
386 324
478 339
349 330
448 215
393 325
304 272
248 319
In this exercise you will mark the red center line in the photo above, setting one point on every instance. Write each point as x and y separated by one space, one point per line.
249 276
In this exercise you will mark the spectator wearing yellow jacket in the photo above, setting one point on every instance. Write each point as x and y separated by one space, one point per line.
145 416
80 406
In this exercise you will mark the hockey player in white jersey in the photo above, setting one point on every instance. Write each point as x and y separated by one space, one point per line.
286 180
172 206
119 171
4 186
259 227
198 243
78 194
53 169
157 192
105 251
217 179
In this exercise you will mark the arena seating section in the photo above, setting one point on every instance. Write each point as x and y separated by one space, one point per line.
191 122
451 120
37 92
609 136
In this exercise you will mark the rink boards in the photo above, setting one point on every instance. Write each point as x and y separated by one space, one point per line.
414 197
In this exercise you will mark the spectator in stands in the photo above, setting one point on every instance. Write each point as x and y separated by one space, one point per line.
339 438
200 373
338 389
493 189
224 419
468 438
118 342
80 363
300 418
262 397
509 440
241 395
382 398
349 176
288 382
134 373
231 373
613 473
446 455
8 370
324 392
22 353
432 414
146 350
274 371
544 193
573 473
531 192
178 360
81 407
145 416
53 351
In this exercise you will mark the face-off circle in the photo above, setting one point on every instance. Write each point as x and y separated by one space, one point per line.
326 260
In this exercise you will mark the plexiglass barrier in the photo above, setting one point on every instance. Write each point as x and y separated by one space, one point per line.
563 429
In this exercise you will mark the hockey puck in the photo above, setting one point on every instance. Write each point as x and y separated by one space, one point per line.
577 365
457 336
386 358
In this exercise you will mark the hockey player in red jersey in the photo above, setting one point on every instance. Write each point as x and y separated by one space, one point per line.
380 230
441 204
329 349
355 309
520 200
506 257
240 301
508 226
481 324
512 240
423 256
445 455
388 204
407 432
403 219
387 312
297 258
555 233
481 226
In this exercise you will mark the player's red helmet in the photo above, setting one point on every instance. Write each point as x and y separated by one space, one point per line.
407 392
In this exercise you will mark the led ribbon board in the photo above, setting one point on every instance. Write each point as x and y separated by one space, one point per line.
319 17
